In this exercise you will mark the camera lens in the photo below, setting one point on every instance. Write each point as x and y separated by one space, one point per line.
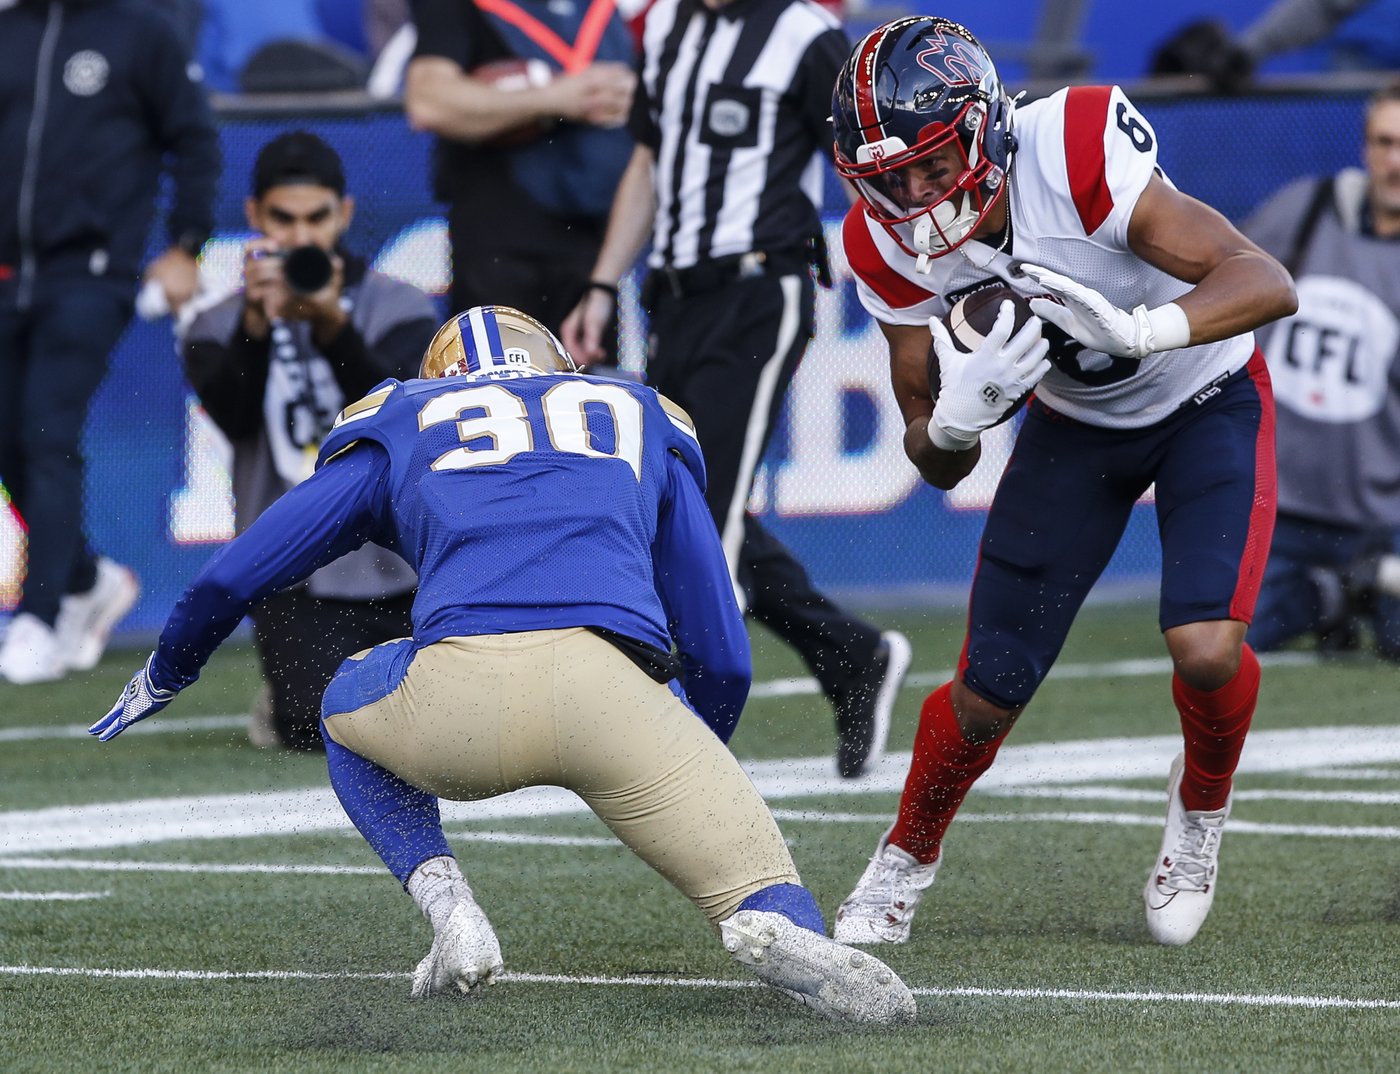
307 269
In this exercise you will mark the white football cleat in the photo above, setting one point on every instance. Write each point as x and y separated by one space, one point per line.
85 620
1181 886
881 908
830 978
465 955
30 652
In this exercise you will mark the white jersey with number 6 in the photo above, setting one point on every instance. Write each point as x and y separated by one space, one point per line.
1083 159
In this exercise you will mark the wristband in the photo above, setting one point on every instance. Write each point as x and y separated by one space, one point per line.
946 441
599 285
1163 329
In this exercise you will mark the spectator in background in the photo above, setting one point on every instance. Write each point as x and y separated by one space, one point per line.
279 46
383 19
1336 371
527 163
731 295
273 364
187 16
234 30
97 99
1206 47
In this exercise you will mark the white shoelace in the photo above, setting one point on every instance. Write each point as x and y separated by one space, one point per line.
883 894
1193 858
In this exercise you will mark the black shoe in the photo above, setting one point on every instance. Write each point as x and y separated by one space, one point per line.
1359 580
863 712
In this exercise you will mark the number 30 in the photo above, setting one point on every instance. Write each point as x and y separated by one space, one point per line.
505 422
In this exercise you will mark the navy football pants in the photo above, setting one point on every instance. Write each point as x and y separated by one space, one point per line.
53 356
1064 501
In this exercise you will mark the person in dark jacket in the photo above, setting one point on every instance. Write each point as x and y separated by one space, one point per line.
98 98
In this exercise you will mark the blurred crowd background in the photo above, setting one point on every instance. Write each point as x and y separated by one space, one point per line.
1241 108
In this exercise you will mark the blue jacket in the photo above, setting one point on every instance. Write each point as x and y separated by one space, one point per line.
97 97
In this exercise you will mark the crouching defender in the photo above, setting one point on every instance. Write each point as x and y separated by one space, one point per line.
562 542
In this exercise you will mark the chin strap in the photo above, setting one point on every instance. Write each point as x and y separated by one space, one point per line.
941 229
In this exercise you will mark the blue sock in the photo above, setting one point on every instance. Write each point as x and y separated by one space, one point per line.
793 901
398 820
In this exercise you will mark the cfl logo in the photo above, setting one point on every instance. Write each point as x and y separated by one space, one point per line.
991 394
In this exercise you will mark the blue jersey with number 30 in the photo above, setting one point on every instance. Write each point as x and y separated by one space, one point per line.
496 484
525 500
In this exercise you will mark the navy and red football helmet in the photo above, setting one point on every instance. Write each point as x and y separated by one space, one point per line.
922 91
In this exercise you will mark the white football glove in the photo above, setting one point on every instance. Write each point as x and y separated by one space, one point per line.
976 389
1100 325
140 699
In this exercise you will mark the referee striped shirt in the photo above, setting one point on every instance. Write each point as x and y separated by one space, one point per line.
736 106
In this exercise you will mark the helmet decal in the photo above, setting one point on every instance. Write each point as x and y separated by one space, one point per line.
953 61
494 339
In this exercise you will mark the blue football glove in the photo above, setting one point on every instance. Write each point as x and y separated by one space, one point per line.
140 699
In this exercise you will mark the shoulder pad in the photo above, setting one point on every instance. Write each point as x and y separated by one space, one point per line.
352 423
683 440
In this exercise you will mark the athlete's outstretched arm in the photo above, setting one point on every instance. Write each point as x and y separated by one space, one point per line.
334 511
1238 288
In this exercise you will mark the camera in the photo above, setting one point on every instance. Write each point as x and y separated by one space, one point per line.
307 269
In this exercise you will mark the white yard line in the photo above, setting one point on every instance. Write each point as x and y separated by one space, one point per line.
161 725
1265 999
1128 794
52 896
157 725
290 812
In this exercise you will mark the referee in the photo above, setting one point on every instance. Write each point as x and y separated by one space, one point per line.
731 121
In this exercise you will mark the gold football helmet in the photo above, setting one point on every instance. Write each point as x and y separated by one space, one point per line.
489 339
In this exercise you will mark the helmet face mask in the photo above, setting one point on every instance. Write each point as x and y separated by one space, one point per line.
923 130
494 339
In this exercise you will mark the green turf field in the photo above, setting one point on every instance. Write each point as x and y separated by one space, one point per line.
176 900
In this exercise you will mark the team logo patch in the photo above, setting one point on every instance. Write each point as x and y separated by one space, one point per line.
86 73
952 61
729 118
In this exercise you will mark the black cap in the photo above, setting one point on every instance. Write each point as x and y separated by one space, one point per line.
298 157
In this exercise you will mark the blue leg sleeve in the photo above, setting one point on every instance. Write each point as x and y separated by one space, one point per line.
398 820
793 901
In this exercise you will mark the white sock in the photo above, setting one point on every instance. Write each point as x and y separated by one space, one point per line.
437 886
1388 575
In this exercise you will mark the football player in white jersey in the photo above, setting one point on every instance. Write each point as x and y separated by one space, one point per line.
1144 371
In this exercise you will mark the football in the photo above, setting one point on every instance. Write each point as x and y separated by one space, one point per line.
968 323
512 75
973 315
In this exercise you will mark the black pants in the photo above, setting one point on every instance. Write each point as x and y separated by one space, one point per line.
727 355
544 282
53 355
302 641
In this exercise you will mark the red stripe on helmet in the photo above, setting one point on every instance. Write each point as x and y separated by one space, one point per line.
867 111
1086 119
870 266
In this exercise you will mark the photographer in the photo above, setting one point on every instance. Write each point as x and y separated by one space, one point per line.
312 330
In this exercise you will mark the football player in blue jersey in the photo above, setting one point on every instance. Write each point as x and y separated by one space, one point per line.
563 547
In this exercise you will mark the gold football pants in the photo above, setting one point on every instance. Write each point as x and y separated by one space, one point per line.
475 717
